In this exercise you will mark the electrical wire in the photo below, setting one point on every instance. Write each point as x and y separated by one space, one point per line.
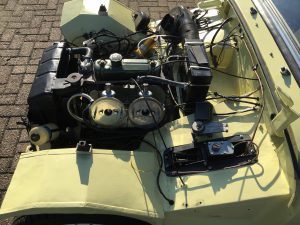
227 38
102 45
200 17
247 96
235 99
254 144
154 120
212 98
261 88
225 42
208 67
210 28
141 32
153 36
177 57
79 119
171 202
118 40
250 109
174 100
255 108
213 57
161 80
160 162
263 102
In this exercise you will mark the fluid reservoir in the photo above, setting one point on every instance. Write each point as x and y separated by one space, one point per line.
43 134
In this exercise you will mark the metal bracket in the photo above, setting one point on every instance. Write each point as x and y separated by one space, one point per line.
200 128
286 116
82 146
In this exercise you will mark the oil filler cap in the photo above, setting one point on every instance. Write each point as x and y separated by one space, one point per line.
116 59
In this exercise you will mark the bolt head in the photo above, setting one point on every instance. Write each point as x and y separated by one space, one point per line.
253 11
284 71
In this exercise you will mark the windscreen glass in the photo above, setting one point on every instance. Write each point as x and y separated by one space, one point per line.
290 11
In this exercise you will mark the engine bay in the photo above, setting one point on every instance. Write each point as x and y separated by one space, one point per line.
109 90
172 121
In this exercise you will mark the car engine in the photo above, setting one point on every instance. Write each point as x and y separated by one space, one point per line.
111 88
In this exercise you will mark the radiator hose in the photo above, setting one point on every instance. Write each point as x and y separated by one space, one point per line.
179 22
86 64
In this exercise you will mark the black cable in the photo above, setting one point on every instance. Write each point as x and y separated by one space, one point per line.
148 106
173 98
208 67
220 96
211 27
201 17
236 96
219 61
224 43
213 57
229 35
255 146
223 46
119 40
234 99
227 38
263 101
141 32
106 33
171 202
160 80
232 75
236 112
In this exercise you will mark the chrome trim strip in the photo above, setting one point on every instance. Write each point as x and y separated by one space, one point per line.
282 35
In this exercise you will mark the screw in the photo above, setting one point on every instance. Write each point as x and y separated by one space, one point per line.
253 11
152 63
284 71
108 87
200 126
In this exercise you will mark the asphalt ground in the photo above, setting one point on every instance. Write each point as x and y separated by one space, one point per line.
26 28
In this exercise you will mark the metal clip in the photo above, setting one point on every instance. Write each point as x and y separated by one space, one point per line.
286 116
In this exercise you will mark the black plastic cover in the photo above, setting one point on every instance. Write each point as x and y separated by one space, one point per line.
141 21
203 111
179 22
42 107
196 158
197 70
128 68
